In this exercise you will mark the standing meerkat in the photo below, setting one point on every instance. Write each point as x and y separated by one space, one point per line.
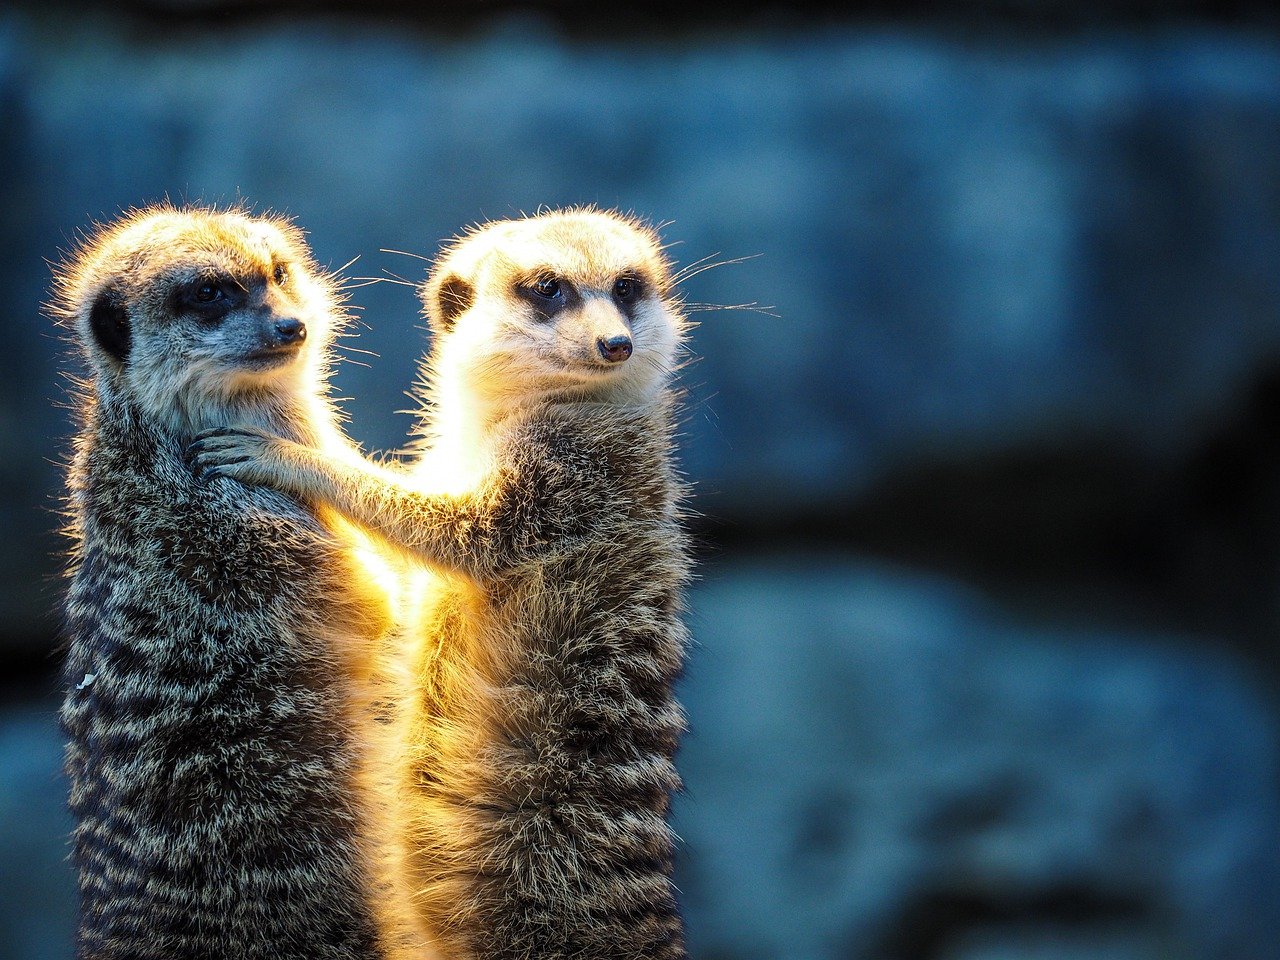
216 630
541 725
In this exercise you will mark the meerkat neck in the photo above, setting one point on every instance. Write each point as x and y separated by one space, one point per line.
294 417
457 431
299 416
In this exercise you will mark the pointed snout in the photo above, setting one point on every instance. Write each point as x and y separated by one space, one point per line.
289 330
614 349
606 326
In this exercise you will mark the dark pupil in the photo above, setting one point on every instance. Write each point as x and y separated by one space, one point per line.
547 287
207 292
625 288
280 275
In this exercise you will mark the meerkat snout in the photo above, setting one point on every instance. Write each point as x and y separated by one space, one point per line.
290 330
614 349
607 328
280 338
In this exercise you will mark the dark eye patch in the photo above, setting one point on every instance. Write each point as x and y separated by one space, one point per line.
208 292
210 297
628 289
547 293
546 287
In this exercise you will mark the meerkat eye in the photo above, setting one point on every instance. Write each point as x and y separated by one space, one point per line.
208 292
548 287
626 289
281 276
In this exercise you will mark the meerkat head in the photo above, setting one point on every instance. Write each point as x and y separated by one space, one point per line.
197 315
575 303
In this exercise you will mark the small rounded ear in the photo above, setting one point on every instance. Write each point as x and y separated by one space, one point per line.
447 298
109 324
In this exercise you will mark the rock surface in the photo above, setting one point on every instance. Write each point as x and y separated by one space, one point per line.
37 909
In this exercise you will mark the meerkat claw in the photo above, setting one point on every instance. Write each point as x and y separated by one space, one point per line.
203 455
211 459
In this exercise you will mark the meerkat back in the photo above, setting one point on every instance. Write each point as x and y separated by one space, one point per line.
214 629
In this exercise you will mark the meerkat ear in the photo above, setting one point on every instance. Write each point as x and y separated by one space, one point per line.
446 299
109 323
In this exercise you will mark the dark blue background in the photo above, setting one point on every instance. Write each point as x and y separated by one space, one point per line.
990 515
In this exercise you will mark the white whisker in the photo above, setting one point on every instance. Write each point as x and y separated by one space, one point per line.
391 279
404 253
348 347
366 281
675 277
358 363
396 278
682 275
345 265
694 307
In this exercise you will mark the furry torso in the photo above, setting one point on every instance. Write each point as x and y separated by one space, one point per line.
210 755
542 721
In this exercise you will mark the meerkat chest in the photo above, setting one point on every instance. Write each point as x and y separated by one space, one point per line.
218 542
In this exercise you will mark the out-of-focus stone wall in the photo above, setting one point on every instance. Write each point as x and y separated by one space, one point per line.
965 247
885 766
1022 329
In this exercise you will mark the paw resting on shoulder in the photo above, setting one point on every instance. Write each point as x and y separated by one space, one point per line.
246 454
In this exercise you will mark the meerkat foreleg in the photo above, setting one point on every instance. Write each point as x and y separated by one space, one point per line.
258 458
473 533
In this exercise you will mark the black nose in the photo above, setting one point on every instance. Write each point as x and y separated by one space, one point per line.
291 331
615 349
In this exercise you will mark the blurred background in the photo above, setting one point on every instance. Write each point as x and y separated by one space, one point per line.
989 499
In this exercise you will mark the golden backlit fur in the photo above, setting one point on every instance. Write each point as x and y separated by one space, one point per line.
539 724
221 636
501 361
182 382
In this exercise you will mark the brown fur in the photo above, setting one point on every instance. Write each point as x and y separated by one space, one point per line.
215 630
540 724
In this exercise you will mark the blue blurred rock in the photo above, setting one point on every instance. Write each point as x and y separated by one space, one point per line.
37 908
884 766
968 244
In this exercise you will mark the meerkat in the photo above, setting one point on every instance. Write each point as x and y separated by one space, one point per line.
542 725
216 630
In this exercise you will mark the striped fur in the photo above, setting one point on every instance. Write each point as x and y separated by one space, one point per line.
215 630
538 723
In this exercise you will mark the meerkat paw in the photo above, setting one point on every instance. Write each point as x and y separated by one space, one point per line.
242 453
